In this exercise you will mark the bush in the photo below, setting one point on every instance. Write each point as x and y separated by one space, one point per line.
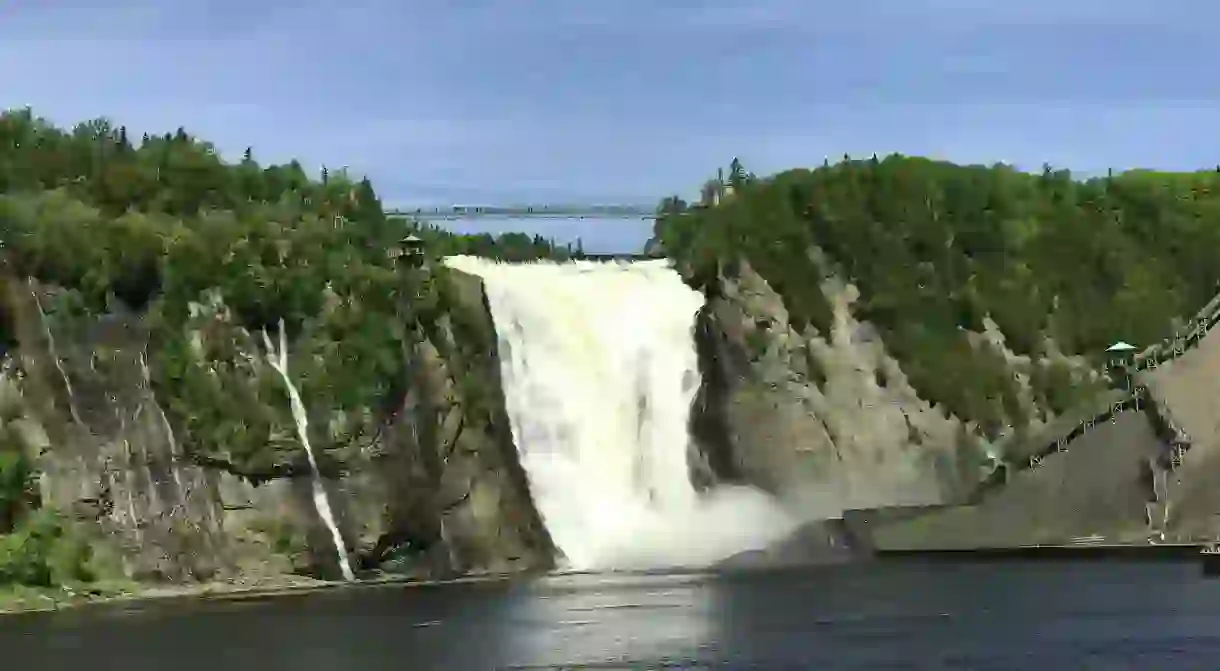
44 552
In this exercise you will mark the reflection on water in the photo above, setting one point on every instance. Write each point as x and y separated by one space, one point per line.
1045 616
628 620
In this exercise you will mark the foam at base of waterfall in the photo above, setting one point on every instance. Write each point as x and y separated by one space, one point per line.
722 523
599 370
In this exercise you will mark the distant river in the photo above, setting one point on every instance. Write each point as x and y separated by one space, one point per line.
599 236
981 616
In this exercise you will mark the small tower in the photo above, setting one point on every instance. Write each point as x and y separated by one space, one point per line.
409 252
1120 357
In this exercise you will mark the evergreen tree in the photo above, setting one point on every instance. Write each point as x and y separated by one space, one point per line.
935 248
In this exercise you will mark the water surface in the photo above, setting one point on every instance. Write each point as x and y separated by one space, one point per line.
886 615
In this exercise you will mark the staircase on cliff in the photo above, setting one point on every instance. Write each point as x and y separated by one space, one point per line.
1183 377
1176 385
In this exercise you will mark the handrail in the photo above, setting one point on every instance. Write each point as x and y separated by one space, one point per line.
1196 330
1056 436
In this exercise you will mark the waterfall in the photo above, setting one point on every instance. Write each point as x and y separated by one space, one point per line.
51 349
174 450
278 358
599 371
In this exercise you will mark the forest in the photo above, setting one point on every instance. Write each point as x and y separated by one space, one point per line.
154 224
934 247
94 210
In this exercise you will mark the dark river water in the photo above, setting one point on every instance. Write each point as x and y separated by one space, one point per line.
885 615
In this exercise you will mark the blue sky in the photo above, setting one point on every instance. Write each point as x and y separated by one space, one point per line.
626 100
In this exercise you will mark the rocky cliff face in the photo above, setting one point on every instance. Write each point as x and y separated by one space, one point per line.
427 484
829 420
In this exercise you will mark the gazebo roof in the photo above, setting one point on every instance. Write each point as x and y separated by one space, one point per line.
1121 346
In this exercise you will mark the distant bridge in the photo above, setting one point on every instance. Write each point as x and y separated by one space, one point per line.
616 257
456 212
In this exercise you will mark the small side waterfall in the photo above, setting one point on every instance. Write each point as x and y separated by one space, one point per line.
599 369
175 450
278 358
53 351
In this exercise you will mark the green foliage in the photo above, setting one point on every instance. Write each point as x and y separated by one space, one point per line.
217 254
38 548
43 552
17 482
1055 386
89 210
936 247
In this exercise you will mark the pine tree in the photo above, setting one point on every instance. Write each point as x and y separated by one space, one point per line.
368 205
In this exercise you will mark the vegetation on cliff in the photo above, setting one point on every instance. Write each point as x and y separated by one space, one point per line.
209 255
934 248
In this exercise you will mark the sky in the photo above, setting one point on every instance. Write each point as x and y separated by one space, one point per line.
490 101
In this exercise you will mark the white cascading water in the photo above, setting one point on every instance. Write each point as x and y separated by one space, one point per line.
599 371
278 358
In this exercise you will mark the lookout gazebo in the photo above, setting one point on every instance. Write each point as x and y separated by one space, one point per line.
410 251
1121 354
1121 357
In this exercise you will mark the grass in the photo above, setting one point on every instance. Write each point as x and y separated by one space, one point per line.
22 598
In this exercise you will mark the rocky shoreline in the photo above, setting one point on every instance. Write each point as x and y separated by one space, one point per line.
22 599
25 600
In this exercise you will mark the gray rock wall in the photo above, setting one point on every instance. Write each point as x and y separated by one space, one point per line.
436 491
827 421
